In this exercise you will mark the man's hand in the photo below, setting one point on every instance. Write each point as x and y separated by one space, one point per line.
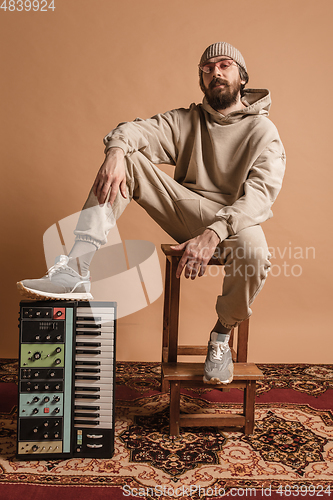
111 174
198 252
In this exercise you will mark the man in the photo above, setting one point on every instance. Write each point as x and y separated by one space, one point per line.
229 164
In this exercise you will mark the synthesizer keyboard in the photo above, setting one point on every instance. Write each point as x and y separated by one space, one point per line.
66 380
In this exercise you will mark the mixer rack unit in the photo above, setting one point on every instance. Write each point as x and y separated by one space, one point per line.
66 380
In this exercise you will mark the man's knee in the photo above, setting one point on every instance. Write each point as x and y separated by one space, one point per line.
246 254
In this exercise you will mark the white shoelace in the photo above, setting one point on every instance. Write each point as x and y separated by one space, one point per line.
218 349
61 264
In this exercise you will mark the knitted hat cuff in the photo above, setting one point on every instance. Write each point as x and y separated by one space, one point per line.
223 49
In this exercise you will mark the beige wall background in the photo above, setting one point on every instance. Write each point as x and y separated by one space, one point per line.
69 76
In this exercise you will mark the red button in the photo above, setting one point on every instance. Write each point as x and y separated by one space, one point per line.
46 410
59 313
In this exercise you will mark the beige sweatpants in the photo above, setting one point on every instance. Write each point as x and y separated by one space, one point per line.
184 214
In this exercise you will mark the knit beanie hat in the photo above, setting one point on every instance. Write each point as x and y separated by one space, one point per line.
223 49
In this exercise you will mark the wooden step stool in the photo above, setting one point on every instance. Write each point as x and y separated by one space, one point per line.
179 375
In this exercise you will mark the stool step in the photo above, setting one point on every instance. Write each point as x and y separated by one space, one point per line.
193 350
194 371
205 419
189 350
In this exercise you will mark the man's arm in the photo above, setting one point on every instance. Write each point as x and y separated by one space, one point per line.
156 138
261 188
254 207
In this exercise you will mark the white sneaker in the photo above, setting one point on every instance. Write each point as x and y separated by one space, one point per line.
219 368
61 282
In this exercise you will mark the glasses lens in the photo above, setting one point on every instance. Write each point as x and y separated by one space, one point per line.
225 63
222 65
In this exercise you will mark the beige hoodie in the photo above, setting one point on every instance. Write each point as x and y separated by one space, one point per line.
236 160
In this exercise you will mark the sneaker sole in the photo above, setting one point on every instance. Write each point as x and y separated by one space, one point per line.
216 381
35 294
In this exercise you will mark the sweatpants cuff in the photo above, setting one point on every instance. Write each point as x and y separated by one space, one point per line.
235 325
84 237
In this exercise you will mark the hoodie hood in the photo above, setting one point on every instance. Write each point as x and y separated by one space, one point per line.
257 102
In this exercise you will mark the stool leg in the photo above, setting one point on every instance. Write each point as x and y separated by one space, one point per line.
166 311
174 311
242 341
166 326
248 406
174 407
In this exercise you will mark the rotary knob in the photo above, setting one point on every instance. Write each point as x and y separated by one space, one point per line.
56 399
58 349
37 355
35 447
58 361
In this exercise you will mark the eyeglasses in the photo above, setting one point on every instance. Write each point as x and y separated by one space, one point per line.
223 65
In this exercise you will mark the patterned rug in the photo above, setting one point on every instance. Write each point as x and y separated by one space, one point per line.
289 454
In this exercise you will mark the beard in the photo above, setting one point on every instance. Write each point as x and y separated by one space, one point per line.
222 98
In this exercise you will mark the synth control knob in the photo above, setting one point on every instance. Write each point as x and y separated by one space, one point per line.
57 410
52 374
58 337
48 337
46 399
35 430
58 349
56 399
37 355
56 423
46 435
35 447
57 387
35 411
35 399
46 423
58 314
37 337
36 374
56 435
36 387
46 387
58 361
